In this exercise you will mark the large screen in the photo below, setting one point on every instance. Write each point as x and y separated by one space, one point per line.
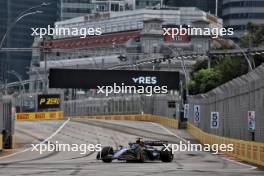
48 101
91 79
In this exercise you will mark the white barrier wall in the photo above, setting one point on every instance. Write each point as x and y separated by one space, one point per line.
233 100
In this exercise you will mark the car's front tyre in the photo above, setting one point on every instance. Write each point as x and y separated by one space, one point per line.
166 155
104 154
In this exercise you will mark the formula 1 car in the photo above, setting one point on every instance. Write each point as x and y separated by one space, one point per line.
140 151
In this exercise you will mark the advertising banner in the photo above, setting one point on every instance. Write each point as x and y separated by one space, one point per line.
91 79
39 116
49 101
196 113
186 111
251 120
214 120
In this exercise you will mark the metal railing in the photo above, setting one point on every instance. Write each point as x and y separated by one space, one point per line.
6 123
121 105
233 100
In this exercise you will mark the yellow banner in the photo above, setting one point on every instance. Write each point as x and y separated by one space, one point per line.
1 142
252 152
39 115
138 117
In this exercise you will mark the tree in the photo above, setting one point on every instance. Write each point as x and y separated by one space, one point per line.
200 64
204 80
227 68
253 37
230 68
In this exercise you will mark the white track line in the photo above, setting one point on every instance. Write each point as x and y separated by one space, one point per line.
234 161
242 164
47 139
171 133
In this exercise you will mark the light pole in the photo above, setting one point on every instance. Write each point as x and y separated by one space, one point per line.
244 54
20 17
13 72
216 8
31 70
186 75
34 7
186 80
36 82
14 23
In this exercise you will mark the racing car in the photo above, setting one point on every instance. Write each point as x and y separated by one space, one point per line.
139 151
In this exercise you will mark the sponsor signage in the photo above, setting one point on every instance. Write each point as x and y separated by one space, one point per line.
39 115
214 120
251 120
48 101
196 113
177 110
91 79
186 111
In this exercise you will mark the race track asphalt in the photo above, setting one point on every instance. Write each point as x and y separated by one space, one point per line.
25 162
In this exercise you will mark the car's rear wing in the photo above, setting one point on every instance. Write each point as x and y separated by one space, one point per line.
155 143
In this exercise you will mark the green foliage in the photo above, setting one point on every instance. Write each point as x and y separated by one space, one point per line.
204 80
227 68
201 64
254 36
231 68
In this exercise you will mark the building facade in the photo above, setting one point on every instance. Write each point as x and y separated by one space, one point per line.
205 5
127 37
3 27
20 34
139 4
133 20
113 6
238 13
75 8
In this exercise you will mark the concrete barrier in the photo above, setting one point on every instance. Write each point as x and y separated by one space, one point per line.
252 152
138 117
39 116
13 142
1 142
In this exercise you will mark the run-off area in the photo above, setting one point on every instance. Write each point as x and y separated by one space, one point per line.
108 133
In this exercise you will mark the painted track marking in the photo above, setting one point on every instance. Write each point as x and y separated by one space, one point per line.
225 158
47 139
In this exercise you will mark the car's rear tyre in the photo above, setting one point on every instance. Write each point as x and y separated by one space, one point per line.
106 151
165 155
142 156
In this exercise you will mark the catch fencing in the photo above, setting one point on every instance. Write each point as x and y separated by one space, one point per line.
6 123
121 105
233 101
